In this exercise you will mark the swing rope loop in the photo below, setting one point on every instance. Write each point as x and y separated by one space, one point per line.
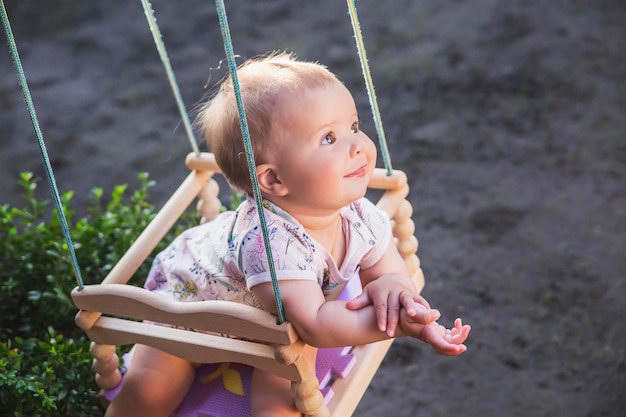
160 46
42 146
230 57
369 84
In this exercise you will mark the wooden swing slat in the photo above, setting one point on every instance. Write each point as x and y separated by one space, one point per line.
222 317
193 346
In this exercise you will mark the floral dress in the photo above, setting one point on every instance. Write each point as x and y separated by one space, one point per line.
224 258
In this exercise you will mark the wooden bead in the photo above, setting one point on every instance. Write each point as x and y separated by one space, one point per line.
213 207
309 406
106 367
209 209
404 211
109 381
402 230
209 205
210 191
288 354
391 200
407 247
305 388
412 263
102 352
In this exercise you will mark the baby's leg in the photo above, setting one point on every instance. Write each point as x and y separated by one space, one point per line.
272 396
155 384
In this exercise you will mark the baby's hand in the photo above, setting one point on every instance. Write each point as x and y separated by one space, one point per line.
389 294
444 341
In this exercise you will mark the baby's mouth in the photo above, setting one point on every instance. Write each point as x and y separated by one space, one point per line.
358 173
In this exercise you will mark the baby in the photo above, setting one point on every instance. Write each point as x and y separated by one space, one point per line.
313 166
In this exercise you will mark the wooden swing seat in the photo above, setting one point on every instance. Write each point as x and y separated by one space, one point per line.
255 338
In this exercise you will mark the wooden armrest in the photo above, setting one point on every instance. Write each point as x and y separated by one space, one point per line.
222 317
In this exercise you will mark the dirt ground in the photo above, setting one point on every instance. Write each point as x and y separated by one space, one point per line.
507 116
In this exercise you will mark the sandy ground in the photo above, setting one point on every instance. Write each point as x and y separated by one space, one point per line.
508 117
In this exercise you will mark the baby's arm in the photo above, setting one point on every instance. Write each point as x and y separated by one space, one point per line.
323 323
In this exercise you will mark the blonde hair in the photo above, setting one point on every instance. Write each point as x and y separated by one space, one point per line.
265 83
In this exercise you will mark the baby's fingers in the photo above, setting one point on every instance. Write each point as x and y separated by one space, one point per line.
449 349
422 301
420 312
388 314
363 300
459 333
438 337
412 302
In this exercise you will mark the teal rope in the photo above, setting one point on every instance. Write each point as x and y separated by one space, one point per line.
42 146
369 84
158 42
230 57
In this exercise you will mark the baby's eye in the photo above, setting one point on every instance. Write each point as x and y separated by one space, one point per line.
329 139
355 127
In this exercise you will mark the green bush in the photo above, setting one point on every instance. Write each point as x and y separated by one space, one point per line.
45 364
47 377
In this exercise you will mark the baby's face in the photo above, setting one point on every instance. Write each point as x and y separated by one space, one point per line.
323 157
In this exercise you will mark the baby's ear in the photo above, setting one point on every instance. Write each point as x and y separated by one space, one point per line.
269 182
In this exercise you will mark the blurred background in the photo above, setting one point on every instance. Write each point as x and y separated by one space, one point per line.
509 118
